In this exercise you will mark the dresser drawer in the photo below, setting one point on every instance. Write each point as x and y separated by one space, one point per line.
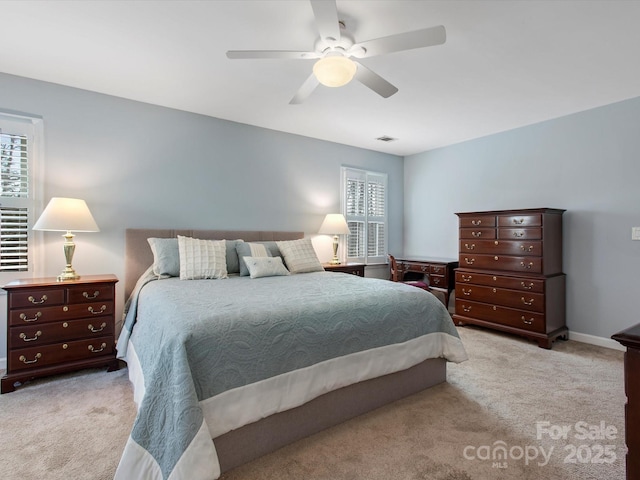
520 220
501 247
438 281
478 233
90 293
513 283
520 233
33 335
414 267
34 316
37 298
475 221
501 297
53 354
437 269
502 262
534 322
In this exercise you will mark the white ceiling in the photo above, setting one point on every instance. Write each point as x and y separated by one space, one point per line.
505 63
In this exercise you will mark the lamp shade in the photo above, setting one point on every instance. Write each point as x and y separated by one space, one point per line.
334 224
66 214
334 71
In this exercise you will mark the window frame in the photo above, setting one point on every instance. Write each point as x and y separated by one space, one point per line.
33 128
366 219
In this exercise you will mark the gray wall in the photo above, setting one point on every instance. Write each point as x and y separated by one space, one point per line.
139 165
587 163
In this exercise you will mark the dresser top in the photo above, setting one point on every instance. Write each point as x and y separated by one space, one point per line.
54 282
516 212
629 337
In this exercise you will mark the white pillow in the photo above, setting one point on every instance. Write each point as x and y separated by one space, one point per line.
300 256
265 266
202 258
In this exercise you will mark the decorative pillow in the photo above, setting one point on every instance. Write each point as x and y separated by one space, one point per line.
233 262
300 256
202 258
166 259
250 249
265 266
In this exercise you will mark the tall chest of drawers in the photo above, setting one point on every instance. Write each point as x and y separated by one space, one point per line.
55 327
510 276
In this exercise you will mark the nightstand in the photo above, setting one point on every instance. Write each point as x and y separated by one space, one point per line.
55 327
352 268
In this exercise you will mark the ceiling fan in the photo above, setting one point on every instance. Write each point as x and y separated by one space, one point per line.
336 49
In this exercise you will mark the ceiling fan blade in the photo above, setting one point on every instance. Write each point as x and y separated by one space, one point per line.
305 90
260 54
327 21
374 81
426 37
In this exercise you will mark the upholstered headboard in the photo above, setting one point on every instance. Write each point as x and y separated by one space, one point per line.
138 255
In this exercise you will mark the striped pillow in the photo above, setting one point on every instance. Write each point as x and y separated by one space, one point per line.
250 249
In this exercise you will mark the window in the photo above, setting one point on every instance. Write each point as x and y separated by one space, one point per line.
364 205
19 141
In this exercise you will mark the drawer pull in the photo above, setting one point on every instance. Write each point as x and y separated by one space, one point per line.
529 249
435 281
23 336
93 312
91 297
518 234
94 350
24 360
526 265
37 302
466 292
528 287
65 325
94 330
528 322
476 222
494 290
530 302
518 222
466 309
466 278
24 318
469 247
496 258
469 262
424 268
476 234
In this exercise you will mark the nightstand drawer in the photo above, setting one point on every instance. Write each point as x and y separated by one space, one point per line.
37 298
33 335
32 316
46 355
90 293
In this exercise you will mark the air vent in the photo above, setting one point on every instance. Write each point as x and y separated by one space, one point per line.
386 138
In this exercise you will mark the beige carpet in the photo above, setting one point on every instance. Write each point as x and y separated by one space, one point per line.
74 426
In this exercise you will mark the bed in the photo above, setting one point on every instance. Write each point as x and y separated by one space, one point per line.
290 354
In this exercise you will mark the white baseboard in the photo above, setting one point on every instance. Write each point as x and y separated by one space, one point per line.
593 340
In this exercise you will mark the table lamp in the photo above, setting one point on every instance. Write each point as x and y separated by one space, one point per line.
65 215
334 224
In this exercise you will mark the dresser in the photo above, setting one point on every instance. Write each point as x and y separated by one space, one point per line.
438 273
630 338
510 275
55 327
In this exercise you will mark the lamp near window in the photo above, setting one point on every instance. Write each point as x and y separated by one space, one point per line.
334 224
65 215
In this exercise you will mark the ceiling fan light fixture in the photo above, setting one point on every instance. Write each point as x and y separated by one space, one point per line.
334 71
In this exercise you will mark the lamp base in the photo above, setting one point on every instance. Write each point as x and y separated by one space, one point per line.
68 274
335 261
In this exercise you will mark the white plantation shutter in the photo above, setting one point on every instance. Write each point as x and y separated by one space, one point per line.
365 209
17 198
